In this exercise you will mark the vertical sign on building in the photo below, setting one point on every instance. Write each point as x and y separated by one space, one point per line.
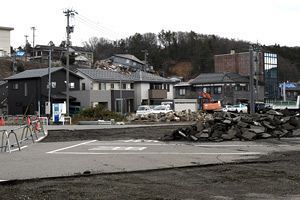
271 76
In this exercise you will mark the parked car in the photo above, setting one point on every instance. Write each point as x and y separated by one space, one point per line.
225 108
239 108
143 110
162 109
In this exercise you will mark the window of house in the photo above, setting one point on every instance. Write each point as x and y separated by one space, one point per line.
131 85
241 87
25 90
72 85
102 86
217 90
182 91
127 61
15 86
124 86
168 87
112 85
83 86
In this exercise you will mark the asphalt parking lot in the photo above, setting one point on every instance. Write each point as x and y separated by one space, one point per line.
52 159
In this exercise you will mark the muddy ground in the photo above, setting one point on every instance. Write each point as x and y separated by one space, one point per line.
276 176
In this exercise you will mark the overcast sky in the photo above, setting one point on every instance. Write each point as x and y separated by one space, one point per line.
264 21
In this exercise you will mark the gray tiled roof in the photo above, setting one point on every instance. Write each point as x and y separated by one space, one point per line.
105 75
141 76
33 73
209 78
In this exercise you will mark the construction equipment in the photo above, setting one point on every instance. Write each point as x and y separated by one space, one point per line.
206 102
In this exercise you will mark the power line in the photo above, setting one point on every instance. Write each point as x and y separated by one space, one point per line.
96 26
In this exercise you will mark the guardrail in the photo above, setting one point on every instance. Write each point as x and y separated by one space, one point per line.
30 132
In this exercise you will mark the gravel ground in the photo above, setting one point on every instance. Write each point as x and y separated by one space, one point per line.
273 177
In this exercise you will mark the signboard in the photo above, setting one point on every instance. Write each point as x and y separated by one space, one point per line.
20 53
48 107
58 110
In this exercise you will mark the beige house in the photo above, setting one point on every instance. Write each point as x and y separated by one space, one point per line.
5 41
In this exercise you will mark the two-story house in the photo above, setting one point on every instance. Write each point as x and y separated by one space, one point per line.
151 89
229 88
28 90
83 58
5 41
127 61
111 89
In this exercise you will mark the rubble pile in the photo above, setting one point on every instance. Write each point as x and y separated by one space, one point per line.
221 126
168 117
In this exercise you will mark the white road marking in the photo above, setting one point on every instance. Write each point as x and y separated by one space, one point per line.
76 145
40 138
3 180
158 153
230 145
17 149
114 148
140 140
132 144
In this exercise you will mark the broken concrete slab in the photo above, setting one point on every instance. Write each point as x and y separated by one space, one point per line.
248 135
296 133
242 124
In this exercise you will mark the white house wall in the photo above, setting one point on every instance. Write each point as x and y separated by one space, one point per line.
141 91
88 97
170 94
5 41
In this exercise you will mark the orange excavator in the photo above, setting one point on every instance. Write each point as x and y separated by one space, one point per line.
207 104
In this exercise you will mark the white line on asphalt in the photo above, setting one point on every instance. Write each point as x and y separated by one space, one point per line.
140 140
76 145
114 148
3 180
40 138
23 147
131 144
230 145
158 153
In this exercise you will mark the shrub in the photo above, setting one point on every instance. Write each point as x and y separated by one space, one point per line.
100 113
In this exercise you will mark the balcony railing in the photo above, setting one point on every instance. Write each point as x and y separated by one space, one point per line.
157 94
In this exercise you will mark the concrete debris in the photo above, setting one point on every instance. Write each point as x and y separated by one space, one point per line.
219 126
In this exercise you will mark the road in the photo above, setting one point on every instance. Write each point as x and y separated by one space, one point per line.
55 159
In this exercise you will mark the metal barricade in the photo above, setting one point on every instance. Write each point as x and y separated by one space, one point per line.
29 131
7 141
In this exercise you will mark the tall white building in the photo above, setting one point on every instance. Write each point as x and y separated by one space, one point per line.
5 41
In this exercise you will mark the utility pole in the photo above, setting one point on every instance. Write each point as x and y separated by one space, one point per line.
69 29
49 82
251 83
26 41
33 37
145 58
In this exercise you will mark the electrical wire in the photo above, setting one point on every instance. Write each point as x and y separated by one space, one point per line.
97 27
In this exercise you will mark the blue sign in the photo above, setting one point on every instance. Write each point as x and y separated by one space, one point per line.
20 53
